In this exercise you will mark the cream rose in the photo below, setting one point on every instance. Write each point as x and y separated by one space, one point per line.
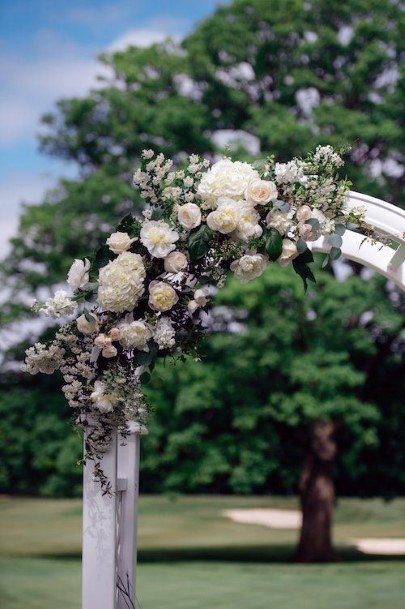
289 252
248 224
277 219
115 333
226 179
121 283
249 267
226 217
175 262
78 276
304 213
135 335
162 297
189 215
158 238
119 242
260 192
87 327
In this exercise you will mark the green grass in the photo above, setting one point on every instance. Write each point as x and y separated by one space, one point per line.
193 558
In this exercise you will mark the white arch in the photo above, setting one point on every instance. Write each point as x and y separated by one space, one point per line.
389 221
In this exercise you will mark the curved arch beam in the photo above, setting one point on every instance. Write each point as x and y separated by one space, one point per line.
389 221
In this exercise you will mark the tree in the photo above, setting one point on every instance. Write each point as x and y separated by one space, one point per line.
292 75
290 389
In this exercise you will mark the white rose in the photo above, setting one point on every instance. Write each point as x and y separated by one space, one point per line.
304 213
135 335
200 296
158 238
289 252
121 283
175 262
78 276
226 179
189 215
192 306
102 341
162 296
277 219
87 327
260 192
249 267
115 333
119 242
104 402
248 224
109 351
226 217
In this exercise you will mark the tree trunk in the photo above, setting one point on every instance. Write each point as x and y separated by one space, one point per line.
317 494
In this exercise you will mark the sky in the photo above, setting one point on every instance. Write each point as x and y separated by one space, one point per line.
48 51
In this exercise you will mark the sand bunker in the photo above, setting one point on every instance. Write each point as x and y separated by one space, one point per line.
380 546
292 519
275 519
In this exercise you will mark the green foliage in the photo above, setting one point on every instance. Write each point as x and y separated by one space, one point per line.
237 421
199 242
274 243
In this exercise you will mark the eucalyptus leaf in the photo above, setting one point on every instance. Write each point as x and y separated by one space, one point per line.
314 223
301 246
335 240
335 253
340 229
281 205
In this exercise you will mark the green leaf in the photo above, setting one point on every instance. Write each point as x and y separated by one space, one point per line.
335 253
129 225
145 378
340 229
102 256
314 223
301 246
143 358
335 240
199 242
301 267
274 243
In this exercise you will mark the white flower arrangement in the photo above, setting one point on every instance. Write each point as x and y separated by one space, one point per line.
139 297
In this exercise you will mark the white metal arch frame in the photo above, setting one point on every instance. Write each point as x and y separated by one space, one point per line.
389 221
109 522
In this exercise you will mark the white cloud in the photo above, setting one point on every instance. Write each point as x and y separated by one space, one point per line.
141 38
19 188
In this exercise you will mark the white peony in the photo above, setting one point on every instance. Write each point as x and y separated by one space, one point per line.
59 305
249 267
226 217
164 334
121 283
189 215
162 297
248 224
226 179
289 252
104 402
78 275
175 262
260 192
135 335
279 220
119 242
87 327
158 238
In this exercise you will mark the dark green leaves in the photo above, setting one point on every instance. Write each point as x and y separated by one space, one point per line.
129 225
273 243
301 267
199 242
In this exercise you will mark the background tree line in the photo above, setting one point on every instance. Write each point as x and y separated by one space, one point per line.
287 77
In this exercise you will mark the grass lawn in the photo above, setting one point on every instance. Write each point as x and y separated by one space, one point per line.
192 558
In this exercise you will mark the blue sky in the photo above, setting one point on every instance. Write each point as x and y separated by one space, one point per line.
48 51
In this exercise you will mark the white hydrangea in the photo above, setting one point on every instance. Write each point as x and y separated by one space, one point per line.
121 283
249 267
42 358
164 334
59 305
226 179
135 335
158 238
